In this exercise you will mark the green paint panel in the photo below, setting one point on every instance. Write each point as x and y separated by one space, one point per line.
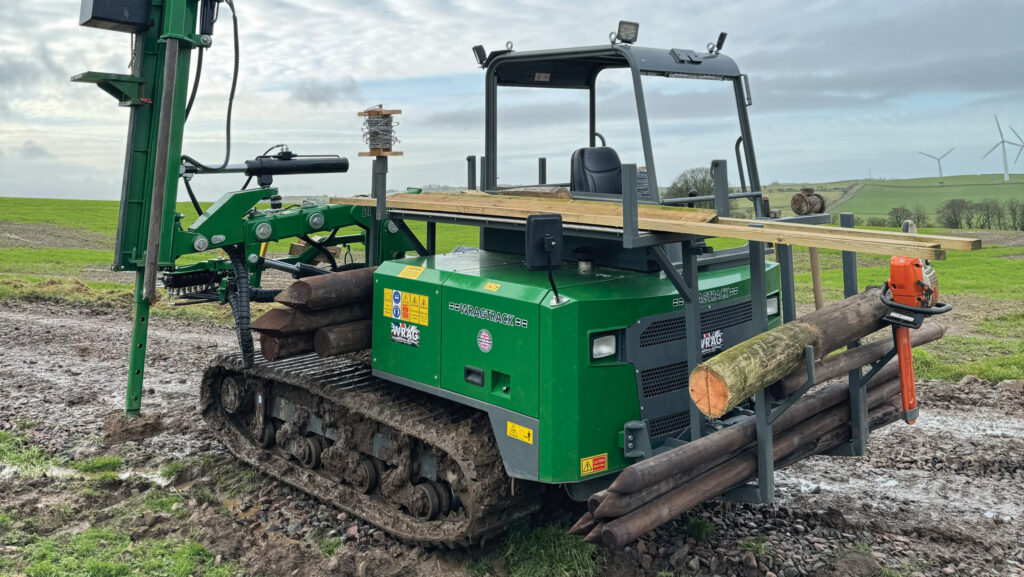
490 340
407 321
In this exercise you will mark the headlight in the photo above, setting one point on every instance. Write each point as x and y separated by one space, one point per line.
772 305
603 346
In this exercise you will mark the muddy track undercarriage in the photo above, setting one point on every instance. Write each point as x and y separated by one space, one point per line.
422 468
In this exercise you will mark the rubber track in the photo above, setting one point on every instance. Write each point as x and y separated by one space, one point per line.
463 433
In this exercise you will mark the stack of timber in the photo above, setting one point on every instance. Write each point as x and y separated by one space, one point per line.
329 314
651 492
662 218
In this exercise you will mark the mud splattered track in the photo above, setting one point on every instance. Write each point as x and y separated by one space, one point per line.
944 497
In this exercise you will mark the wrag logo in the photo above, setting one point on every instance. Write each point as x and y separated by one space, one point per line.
711 342
405 334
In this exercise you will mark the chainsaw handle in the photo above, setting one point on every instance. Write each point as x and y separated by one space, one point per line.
938 309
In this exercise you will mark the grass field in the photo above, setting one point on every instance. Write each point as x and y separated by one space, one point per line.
877 197
992 346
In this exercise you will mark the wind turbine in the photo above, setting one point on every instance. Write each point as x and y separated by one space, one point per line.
1003 143
939 158
1019 146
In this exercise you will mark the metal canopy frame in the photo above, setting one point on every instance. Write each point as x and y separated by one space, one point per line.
578 68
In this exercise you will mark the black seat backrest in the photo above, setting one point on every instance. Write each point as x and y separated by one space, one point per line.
596 169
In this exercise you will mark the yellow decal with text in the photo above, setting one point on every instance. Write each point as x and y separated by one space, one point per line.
595 464
406 306
411 272
524 434
492 286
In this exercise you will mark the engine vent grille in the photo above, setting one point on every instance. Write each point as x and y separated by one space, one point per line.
660 380
663 331
669 423
726 317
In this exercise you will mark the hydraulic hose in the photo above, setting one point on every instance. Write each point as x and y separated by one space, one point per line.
238 298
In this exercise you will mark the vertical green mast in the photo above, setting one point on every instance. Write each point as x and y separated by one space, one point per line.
156 93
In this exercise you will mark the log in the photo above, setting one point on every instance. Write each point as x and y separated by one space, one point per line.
284 321
595 535
807 202
799 443
725 380
584 526
329 290
843 363
689 461
341 339
276 348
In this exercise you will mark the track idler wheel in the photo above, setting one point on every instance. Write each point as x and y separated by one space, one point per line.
444 494
425 503
234 395
366 476
308 450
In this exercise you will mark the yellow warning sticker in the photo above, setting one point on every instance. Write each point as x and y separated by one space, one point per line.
524 434
595 464
411 272
492 286
406 306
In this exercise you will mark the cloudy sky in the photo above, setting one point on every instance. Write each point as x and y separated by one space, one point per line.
841 88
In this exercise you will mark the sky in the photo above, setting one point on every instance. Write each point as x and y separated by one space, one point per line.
841 89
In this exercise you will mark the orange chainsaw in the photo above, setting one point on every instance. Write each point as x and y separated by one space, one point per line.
912 293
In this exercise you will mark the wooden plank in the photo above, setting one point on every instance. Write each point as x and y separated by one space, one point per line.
519 207
658 218
381 152
946 242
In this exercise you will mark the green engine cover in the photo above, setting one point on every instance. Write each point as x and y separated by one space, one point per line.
479 328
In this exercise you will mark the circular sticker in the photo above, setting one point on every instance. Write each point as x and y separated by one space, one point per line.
483 340
396 297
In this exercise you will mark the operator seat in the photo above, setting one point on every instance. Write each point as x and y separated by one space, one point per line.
596 169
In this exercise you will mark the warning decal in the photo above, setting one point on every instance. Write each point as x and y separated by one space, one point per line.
492 286
524 434
411 272
595 464
405 306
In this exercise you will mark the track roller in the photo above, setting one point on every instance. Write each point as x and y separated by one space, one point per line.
425 503
366 476
307 451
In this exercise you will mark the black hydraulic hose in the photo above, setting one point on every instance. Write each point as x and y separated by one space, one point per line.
322 250
259 295
231 101
239 300
195 83
192 197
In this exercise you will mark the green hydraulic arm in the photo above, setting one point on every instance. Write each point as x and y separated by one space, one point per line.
150 237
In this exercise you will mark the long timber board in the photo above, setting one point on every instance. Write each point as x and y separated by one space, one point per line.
659 218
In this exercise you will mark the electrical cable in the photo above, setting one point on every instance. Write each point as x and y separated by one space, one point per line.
231 101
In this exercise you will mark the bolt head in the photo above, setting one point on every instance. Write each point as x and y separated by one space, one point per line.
316 220
263 230
254 258
200 243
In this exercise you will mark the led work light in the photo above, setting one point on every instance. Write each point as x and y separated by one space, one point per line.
627 32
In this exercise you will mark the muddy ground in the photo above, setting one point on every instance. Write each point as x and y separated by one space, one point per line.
944 497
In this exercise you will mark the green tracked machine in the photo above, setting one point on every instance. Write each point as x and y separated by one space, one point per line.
555 354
